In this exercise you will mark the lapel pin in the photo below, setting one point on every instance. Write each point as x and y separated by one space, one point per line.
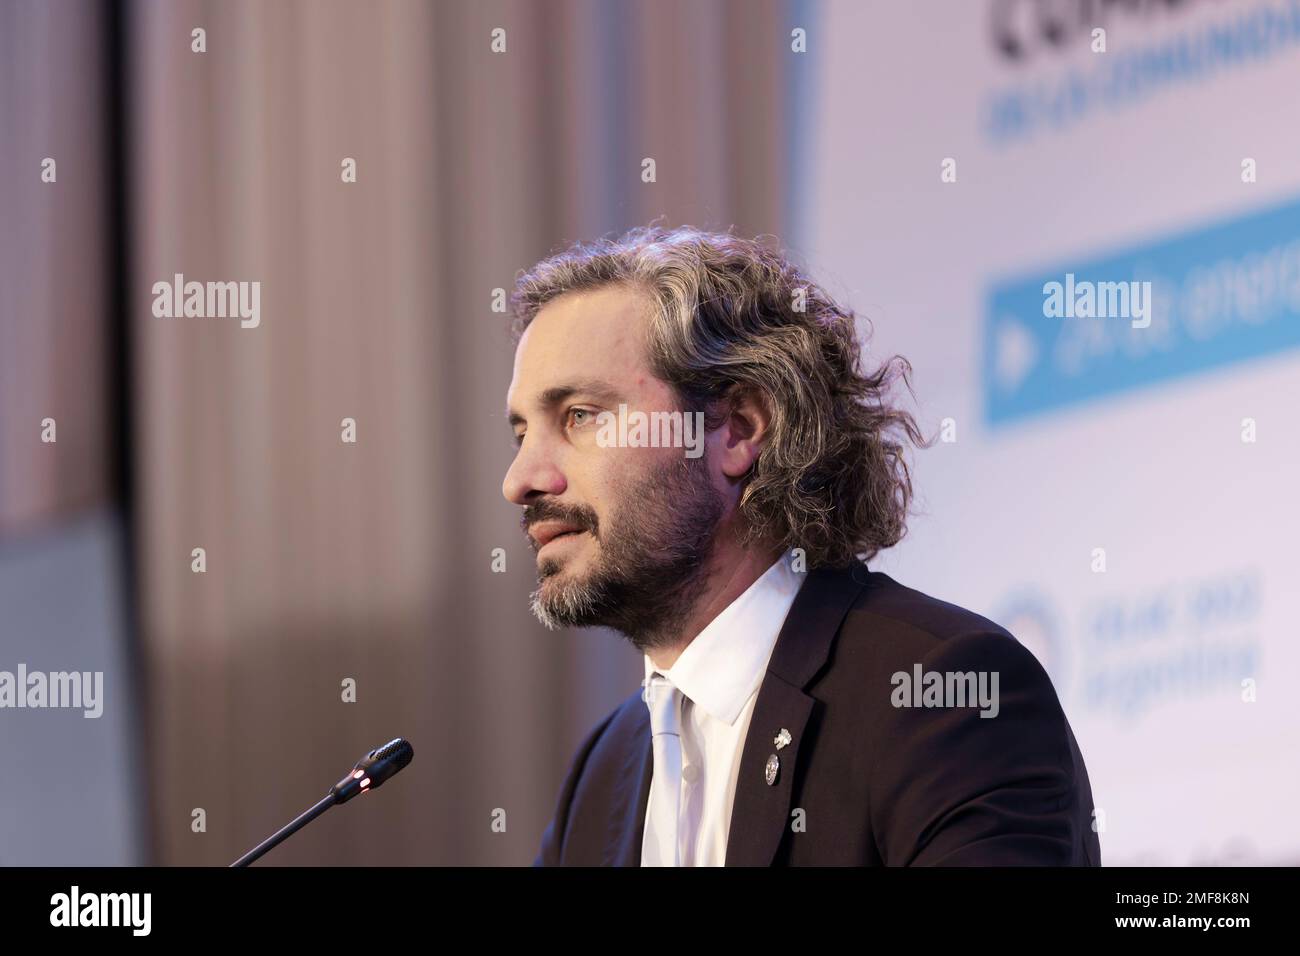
782 739
769 772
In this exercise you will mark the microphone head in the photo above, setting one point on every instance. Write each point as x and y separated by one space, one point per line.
399 750
373 769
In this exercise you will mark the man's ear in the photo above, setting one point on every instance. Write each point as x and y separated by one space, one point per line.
744 431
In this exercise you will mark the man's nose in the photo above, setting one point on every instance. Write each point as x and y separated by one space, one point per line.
532 473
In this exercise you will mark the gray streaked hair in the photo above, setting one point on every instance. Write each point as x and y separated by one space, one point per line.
733 316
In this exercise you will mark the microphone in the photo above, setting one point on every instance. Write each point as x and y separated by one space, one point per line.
369 773
373 769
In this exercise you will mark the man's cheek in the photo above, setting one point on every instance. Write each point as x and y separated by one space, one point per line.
616 482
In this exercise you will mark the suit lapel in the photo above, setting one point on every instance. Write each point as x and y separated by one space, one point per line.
632 795
761 811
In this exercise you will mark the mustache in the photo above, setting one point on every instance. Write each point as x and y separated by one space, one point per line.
579 516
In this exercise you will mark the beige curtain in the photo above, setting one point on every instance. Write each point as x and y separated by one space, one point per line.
329 561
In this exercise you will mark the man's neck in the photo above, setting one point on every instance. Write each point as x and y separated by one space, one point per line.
732 574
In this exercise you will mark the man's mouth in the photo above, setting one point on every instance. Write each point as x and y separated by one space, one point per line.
544 532
561 537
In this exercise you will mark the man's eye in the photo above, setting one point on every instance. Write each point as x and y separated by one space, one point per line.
590 416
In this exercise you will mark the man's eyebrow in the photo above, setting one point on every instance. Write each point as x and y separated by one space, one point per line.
597 389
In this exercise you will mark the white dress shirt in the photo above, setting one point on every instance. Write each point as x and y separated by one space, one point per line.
719 674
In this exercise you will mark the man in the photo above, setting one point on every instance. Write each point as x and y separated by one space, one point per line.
797 707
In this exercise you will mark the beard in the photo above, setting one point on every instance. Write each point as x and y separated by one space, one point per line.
649 570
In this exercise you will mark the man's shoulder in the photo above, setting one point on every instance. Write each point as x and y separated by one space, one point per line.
893 611
889 626
885 623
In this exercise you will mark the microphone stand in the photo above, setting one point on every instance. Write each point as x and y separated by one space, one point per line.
286 831
369 773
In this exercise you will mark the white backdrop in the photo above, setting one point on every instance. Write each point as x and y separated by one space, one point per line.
1077 435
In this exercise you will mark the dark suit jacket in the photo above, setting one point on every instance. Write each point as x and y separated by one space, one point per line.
878 784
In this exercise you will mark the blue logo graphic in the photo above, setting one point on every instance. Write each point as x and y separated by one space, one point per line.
1219 295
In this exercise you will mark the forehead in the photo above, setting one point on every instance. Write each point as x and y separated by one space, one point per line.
592 334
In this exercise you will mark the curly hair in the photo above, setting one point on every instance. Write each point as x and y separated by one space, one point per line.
732 316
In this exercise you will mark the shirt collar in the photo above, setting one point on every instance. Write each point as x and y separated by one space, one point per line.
725 663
